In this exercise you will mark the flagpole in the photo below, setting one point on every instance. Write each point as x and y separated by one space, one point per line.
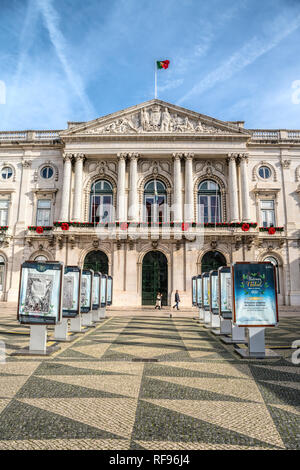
155 80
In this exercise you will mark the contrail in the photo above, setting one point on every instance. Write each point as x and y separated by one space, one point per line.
251 51
51 21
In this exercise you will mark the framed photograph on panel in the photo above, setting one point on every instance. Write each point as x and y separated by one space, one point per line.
86 290
40 293
225 292
71 291
96 291
109 290
254 294
213 294
103 290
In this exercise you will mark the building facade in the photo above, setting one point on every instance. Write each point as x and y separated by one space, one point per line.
152 195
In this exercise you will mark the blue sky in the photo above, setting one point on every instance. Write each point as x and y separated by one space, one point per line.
74 60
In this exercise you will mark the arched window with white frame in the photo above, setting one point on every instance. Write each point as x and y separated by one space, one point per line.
209 202
155 201
101 202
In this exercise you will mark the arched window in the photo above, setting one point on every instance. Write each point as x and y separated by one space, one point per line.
209 202
155 201
2 273
274 261
41 258
101 202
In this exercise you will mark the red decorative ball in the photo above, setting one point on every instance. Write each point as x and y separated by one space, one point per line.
245 227
39 230
271 230
65 226
185 226
124 226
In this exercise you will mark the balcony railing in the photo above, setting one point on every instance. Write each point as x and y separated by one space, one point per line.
28 136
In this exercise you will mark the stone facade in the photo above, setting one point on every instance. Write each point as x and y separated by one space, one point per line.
255 176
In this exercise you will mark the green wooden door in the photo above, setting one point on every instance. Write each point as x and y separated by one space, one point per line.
154 278
97 261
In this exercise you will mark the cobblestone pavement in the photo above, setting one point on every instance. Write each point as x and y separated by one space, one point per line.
149 382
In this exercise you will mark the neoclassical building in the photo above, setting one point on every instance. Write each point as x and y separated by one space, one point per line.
152 195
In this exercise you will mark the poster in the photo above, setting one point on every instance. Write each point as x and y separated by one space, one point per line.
96 291
214 289
86 291
194 291
199 291
109 290
205 281
71 291
225 292
254 294
103 290
40 293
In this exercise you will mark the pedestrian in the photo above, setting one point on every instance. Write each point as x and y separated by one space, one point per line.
177 300
158 301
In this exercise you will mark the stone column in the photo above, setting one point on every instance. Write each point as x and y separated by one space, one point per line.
233 188
245 188
65 198
121 187
189 193
79 157
177 203
133 192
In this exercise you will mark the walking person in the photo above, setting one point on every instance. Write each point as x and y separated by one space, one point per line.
177 300
158 301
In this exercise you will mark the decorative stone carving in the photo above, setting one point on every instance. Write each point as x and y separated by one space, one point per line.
213 244
286 164
156 119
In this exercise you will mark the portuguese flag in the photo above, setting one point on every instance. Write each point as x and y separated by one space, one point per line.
163 64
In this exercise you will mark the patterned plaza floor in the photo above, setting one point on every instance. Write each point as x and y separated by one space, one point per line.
145 382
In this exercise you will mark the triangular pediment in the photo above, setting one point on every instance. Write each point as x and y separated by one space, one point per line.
154 117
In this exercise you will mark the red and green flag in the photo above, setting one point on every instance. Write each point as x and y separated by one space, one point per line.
162 64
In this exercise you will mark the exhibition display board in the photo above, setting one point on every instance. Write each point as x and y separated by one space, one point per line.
103 290
213 292
40 293
225 292
205 290
109 290
194 290
199 290
71 291
86 291
96 291
254 294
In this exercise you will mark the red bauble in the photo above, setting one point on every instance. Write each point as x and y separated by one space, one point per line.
185 226
65 226
39 230
124 226
245 227
271 230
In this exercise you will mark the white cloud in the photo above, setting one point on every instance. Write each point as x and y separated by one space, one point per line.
251 51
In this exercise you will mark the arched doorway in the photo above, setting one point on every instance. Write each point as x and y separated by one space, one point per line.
154 278
97 261
212 260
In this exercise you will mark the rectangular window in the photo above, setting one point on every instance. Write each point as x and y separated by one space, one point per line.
267 213
101 209
43 214
4 204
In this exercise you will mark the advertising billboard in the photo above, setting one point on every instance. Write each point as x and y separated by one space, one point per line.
103 290
194 290
109 290
254 294
40 293
205 290
71 291
96 291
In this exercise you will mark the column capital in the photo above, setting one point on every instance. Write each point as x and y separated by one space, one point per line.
188 156
67 157
243 157
232 157
121 156
134 155
177 156
78 156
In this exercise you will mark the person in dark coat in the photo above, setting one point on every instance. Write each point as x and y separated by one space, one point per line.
177 300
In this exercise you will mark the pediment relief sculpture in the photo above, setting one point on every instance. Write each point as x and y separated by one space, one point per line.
156 119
